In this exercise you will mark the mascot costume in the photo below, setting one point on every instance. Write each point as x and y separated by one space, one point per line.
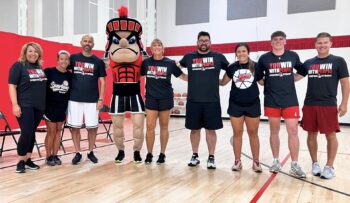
124 50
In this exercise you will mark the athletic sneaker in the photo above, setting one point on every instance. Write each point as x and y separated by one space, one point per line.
161 158
257 167
137 157
237 166
316 169
276 166
194 161
328 172
120 156
76 159
149 158
211 163
92 157
57 160
50 161
21 167
296 171
31 165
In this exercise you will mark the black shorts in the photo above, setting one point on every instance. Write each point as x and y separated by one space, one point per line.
55 113
251 110
159 104
122 104
203 115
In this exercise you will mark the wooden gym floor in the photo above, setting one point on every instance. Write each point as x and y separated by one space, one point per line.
174 181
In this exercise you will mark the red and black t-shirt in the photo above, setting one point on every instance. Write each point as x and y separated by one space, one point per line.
86 72
323 78
279 87
158 77
203 75
31 84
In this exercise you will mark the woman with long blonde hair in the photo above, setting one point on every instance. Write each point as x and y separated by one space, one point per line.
27 88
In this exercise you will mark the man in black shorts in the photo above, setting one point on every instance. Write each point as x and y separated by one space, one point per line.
203 108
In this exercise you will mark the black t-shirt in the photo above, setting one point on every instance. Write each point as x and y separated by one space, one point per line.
244 89
31 84
203 75
323 78
158 77
279 87
58 87
86 72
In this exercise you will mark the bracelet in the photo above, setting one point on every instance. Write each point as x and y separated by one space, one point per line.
100 99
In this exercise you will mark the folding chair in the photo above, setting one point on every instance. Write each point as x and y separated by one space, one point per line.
105 109
7 132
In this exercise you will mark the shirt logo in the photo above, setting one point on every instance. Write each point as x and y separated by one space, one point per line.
243 78
206 63
84 68
320 70
280 69
60 88
36 75
157 72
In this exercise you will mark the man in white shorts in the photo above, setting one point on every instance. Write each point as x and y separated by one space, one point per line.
86 98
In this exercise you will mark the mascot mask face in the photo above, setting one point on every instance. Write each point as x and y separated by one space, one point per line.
124 47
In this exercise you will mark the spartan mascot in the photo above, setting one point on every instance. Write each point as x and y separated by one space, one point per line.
124 50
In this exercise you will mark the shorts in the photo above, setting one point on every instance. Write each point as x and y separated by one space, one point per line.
236 110
286 113
79 111
123 104
203 115
320 118
159 104
55 113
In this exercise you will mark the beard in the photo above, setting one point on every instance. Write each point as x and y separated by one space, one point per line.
203 48
87 48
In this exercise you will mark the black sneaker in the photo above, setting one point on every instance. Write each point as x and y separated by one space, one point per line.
50 161
161 158
21 167
92 157
57 160
149 158
137 157
31 165
120 156
194 161
76 159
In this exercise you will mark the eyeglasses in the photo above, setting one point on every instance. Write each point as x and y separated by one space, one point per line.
203 41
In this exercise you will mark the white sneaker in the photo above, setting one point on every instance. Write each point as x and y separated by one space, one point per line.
276 166
328 172
296 170
316 169
237 166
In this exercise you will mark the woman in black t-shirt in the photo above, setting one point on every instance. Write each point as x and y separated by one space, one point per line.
57 96
244 105
159 96
27 85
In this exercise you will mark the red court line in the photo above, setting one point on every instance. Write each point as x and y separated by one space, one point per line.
268 182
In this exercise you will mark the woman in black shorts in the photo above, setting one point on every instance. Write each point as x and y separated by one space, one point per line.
244 105
57 95
159 96
27 83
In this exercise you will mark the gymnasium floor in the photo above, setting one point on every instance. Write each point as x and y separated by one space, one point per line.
175 181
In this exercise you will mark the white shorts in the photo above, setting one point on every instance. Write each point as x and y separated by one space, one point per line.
77 111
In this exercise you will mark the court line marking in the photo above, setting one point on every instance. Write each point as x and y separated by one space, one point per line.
268 182
304 180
